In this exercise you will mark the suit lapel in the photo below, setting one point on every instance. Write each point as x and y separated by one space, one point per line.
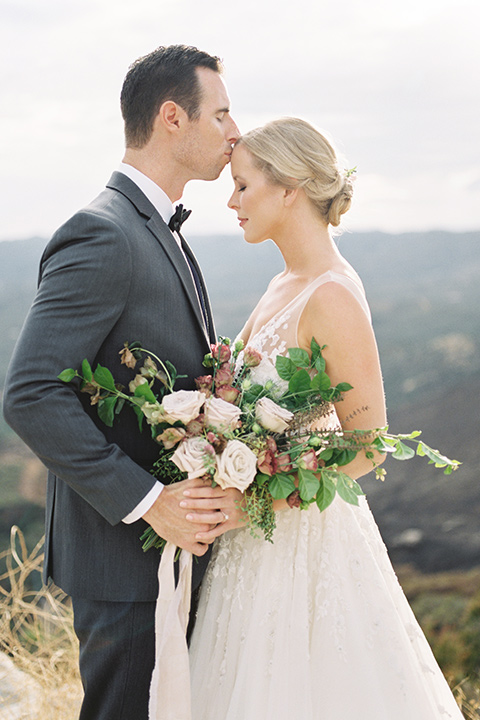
162 233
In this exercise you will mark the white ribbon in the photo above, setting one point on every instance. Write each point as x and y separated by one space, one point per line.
170 684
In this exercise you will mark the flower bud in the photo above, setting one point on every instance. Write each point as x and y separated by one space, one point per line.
221 352
228 393
251 357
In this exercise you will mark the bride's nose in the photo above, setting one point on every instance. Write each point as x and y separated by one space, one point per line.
231 203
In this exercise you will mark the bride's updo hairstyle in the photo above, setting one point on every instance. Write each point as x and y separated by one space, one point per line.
294 154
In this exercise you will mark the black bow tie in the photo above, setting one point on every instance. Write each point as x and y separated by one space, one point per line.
178 218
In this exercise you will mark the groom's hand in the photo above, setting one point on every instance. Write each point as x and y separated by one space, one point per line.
168 518
223 509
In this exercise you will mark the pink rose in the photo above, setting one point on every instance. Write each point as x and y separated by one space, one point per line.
236 466
271 416
194 456
182 405
221 415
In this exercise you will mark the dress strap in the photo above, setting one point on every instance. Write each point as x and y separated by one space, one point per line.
350 284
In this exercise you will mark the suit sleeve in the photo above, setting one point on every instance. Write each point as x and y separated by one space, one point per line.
84 281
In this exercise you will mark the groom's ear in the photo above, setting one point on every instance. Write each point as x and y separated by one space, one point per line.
170 116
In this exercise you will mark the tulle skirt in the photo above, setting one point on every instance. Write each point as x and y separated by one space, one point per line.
312 627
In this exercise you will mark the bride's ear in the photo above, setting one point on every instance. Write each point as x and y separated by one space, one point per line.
289 196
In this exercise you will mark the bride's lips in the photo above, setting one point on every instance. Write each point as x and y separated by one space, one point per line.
242 221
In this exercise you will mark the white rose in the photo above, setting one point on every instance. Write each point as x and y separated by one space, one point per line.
271 416
182 405
221 415
236 466
192 457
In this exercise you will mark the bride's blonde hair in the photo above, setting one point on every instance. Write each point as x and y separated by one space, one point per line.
292 153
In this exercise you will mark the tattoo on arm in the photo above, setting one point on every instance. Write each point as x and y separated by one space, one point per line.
357 412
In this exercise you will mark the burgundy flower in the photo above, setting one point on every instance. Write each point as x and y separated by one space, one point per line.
204 384
309 461
251 357
221 352
223 376
228 393
284 463
267 461
294 499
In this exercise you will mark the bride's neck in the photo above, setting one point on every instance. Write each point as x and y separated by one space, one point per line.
306 246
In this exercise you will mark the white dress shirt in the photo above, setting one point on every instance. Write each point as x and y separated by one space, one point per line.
162 203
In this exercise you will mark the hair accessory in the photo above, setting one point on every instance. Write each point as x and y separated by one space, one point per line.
348 173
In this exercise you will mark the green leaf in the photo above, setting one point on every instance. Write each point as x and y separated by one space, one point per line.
281 485
344 387
325 455
326 492
285 367
261 479
144 390
402 451
299 357
300 382
104 377
106 410
87 371
140 416
316 351
346 489
67 375
119 405
433 455
321 382
345 456
308 484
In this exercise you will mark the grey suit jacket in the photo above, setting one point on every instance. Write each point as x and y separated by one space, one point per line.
110 274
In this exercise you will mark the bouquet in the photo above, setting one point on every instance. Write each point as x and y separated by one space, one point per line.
271 439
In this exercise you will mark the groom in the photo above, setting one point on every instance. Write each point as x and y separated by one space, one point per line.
113 273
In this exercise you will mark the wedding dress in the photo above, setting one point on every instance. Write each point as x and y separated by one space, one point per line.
314 626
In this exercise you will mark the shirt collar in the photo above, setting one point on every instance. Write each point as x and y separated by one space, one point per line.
151 190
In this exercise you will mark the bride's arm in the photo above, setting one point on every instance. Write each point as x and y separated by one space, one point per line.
336 319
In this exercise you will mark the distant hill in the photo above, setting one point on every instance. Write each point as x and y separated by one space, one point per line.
424 293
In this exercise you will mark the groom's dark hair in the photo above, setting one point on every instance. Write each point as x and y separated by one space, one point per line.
167 73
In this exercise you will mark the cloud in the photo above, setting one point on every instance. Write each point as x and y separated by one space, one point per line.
393 83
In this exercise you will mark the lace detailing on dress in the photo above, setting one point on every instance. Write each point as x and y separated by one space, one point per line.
314 626
281 331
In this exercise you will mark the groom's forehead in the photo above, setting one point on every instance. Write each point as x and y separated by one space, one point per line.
214 91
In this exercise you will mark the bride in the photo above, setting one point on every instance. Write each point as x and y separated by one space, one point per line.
315 625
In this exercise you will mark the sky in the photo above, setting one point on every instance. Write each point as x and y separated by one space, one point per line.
395 84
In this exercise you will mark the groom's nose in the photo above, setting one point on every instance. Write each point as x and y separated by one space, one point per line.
233 132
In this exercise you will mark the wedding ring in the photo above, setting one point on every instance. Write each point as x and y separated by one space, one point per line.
225 516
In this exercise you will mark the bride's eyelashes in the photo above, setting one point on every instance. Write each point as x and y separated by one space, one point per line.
241 189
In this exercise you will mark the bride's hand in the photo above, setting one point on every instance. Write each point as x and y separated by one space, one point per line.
222 508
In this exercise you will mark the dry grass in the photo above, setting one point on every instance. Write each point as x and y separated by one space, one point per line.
39 651
36 633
